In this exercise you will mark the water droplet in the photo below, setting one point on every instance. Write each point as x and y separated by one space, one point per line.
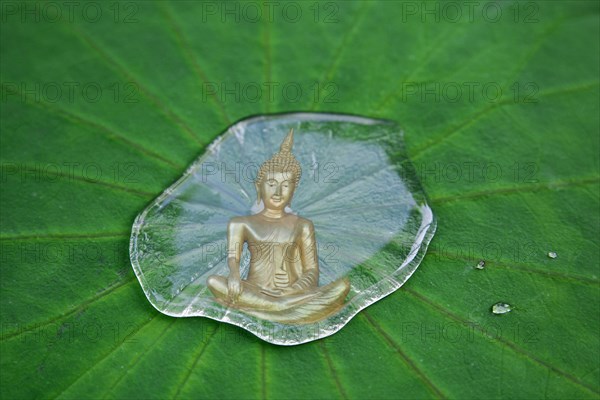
552 254
501 308
480 265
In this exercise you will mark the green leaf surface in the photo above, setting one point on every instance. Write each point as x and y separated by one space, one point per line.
511 167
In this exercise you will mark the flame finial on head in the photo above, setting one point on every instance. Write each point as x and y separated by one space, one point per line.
288 142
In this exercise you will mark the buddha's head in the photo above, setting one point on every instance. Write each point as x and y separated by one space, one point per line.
278 177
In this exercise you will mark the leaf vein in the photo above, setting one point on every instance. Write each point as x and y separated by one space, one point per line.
480 114
140 356
331 70
74 118
266 39
112 62
410 363
531 188
184 47
104 357
516 267
503 341
334 374
196 359
74 310
68 236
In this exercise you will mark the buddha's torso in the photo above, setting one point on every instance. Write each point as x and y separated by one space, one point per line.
274 245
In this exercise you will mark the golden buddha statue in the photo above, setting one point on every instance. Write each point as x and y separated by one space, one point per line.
283 280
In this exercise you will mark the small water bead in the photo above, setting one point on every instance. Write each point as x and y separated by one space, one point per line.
552 254
501 308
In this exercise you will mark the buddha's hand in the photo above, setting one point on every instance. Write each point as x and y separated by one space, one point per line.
234 288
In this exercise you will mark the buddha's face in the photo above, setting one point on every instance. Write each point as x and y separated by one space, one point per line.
277 189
